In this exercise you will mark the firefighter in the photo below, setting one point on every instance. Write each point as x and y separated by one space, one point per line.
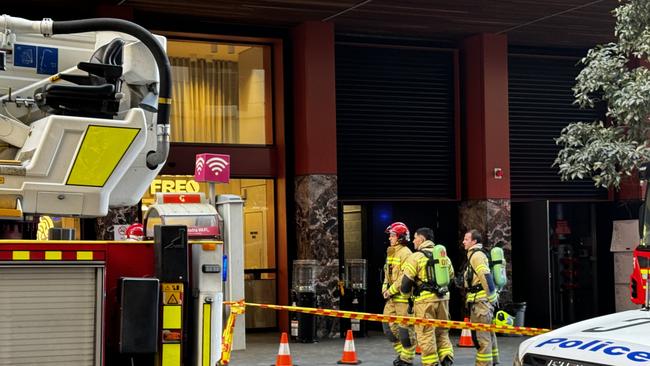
427 273
481 296
402 337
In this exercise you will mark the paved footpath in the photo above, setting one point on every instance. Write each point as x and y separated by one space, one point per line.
262 348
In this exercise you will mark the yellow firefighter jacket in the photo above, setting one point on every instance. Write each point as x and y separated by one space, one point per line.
395 258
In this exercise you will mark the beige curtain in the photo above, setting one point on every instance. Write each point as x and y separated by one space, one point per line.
205 101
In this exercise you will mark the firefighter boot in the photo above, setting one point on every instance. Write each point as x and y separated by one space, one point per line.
402 363
447 361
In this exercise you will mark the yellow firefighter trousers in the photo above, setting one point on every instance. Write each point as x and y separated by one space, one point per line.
405 352
443 343
488 350
434 342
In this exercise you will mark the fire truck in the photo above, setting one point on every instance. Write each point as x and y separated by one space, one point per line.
84 126
641 264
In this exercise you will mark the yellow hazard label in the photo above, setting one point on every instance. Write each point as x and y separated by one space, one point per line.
172 287
171 355
172 317
172 298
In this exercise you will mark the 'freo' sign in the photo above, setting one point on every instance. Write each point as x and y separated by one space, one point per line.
212 168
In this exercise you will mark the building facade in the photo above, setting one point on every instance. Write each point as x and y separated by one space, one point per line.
336 131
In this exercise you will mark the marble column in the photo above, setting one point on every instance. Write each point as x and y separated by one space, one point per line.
314 131
492 218
317 238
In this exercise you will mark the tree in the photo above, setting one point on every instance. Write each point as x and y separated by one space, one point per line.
617 75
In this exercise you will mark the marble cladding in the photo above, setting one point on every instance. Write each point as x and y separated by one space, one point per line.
116 216
316 201
492 218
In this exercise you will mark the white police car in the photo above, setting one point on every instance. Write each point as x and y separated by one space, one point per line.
616 339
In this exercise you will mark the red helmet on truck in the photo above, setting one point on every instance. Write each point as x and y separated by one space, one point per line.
135 232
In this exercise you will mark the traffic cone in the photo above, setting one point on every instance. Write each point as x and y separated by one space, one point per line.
284 355
466 337
349 353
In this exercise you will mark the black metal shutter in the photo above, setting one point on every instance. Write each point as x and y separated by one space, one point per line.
541 105
395 123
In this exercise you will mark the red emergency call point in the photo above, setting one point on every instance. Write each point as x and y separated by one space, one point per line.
498 173
212 168
562 227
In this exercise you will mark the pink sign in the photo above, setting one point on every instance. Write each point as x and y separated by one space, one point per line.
202 231
212 168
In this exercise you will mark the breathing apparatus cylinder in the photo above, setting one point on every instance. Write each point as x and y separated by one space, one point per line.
498 267
441 265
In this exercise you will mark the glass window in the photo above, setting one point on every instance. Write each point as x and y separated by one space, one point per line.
222 92
352 231
259 212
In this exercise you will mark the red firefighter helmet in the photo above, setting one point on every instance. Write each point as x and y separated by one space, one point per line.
400 229
135 232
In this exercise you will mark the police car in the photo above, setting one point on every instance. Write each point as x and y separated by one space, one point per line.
616 339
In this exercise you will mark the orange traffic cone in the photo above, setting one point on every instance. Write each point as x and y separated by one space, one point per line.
349 353
466 337
284 355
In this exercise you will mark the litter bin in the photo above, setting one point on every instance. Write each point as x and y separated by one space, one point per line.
304 287
354 298
59 233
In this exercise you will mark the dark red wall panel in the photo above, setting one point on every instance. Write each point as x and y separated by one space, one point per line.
314 98
245 161
485 81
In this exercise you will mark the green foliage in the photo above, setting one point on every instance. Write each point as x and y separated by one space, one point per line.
614 75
